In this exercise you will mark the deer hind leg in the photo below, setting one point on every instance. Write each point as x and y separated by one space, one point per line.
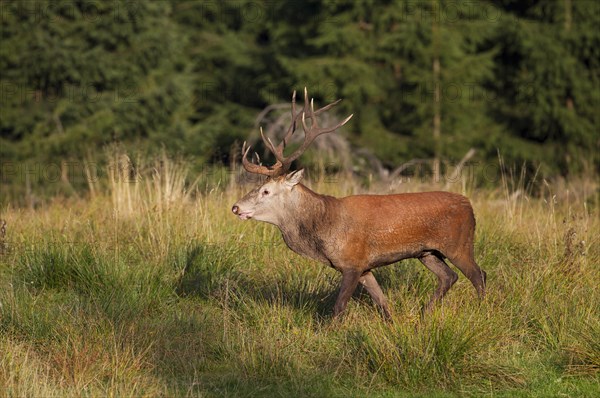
370 283
467 265
446 277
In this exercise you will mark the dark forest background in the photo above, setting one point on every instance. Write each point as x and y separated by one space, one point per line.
424 79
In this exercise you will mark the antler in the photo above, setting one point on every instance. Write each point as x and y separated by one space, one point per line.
283 163
258 168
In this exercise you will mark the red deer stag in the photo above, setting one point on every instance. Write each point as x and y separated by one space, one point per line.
358 233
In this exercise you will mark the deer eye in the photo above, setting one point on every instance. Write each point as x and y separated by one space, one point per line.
265 192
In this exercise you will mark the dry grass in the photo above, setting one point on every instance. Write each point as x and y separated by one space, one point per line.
152 288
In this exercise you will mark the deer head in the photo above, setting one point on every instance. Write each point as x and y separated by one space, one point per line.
264 202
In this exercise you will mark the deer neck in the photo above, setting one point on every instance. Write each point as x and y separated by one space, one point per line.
306 222
303 204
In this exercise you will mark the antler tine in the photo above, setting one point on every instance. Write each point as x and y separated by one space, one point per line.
267 141
245 150
327 107
305 102
312 114
292 128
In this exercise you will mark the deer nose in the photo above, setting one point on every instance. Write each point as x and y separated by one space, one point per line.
235 209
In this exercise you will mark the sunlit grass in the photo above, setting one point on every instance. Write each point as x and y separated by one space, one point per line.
152 288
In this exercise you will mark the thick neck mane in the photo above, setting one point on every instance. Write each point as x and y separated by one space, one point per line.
308 203
308 220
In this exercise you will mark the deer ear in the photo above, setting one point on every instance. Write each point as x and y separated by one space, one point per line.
294 178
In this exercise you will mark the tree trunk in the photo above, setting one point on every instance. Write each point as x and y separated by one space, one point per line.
437 116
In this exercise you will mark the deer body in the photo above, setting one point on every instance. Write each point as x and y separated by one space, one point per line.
356 234
375 230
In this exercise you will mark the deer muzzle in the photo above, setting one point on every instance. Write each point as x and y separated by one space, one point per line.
243 215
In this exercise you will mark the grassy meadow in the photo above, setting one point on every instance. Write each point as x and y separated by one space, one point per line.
146 287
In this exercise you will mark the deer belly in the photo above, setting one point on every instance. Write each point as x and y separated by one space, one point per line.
383 254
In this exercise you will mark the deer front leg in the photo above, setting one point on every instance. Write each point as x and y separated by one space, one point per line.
350 278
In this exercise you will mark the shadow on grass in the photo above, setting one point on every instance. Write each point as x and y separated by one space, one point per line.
214 271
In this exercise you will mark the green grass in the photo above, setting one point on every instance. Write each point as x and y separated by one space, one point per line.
149 290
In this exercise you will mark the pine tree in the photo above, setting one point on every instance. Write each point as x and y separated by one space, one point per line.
424 79
548 82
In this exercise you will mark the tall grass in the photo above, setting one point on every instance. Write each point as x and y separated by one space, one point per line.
150 287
